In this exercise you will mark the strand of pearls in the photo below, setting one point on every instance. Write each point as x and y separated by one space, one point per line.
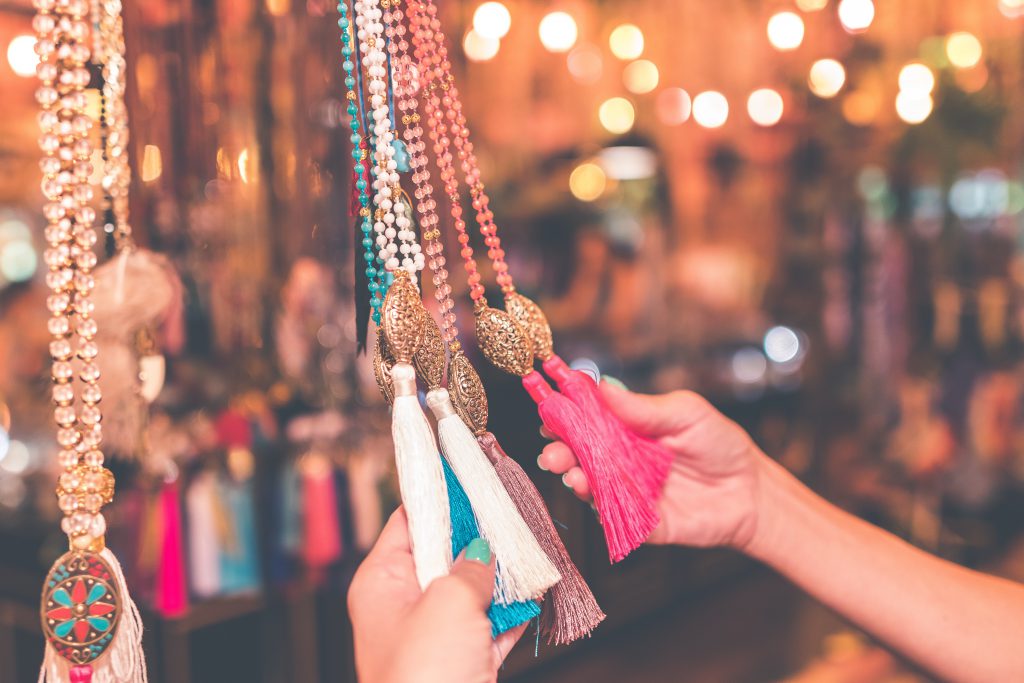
85 485
391 216
116 171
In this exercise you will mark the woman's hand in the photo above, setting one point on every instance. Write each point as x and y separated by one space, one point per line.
403 634
711 495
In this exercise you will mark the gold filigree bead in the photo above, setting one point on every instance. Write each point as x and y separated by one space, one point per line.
528 314
467 393
382 364
402 318
503 341
429 359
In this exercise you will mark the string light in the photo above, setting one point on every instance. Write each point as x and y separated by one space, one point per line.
478 48
492 20
585 64
21 55
826 78
558 31
856 15
785 31
916 79
963 49
913 107
587 182
626 41
710 109
673 106
616 115
765 107
640 76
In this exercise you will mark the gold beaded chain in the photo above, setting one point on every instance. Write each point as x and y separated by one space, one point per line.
116 172
85 485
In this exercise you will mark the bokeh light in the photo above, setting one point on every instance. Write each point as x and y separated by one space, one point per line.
765 107
478 48
558 31
963 49
861 107
811 5
673 106
640 76
21 55
152 163
585 64
786 31
916 79
587 181
626 41
1012 9
782 344
913 107
616 115
492 20
856 15
710 109
826 78
972 80
18 261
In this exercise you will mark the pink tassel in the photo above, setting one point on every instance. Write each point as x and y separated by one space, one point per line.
627 513
81 673
647 461
571 611
171 593
322 533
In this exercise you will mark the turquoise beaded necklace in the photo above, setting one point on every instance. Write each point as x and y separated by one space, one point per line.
375 273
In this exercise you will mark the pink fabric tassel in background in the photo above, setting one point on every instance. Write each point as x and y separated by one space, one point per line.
321 544
171 591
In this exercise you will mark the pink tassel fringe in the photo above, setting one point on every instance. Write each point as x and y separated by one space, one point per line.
627 514
171 593
571 611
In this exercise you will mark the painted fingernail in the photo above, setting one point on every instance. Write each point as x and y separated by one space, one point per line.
540 462
615 382
565 481
479 550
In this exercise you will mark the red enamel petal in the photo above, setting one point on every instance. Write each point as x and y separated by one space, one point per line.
81 630
78 592
59 614
100 608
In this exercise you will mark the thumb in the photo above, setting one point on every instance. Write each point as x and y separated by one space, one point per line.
470 583
658 415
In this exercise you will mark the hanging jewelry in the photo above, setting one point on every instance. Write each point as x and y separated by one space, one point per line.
90 622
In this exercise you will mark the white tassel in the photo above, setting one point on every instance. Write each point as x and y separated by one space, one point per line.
125 661
524 570
420 479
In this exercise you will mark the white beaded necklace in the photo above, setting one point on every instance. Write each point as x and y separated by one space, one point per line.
392 218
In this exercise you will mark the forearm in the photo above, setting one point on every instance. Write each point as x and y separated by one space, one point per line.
960 624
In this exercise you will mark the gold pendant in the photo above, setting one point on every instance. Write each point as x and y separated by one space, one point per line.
402 318
382 364
503 341
430 357
467 393
81 606
533 321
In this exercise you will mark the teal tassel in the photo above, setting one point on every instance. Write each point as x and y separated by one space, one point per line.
464 530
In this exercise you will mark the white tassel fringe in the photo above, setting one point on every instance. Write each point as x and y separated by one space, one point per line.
420 479
524 570
125 661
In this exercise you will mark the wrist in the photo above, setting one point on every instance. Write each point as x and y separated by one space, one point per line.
776 507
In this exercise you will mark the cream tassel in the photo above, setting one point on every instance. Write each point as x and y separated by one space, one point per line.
125 661
421 479
524 570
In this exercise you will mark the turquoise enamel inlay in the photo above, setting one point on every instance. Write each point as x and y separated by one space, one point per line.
99 623
61 597
97 592
64 628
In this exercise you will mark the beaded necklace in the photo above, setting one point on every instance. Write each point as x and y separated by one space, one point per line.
86 610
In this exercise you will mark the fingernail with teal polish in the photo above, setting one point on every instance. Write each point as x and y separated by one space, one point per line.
479 550
617 383
540 463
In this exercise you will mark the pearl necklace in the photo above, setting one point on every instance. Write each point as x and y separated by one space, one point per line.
391 214
116 171
85 486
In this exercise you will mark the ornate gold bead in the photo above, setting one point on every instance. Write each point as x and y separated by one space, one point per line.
402 318
467 393
528 314
382 363
503 341
429 359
